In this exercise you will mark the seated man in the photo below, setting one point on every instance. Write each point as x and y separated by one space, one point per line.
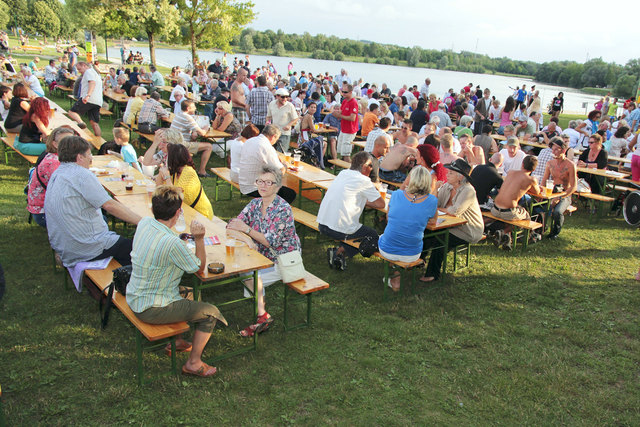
150 112
485 178
370 119
77 230
187 126
255 154
159 259
382 129
403 134
342 206
332 122
512 155
526 128
563 173
515 185
397 163
447 147
380 149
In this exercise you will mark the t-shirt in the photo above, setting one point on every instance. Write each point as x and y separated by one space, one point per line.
406 223
345 200
235 149
129 155
369 122
512 163
185 124
349 107
281 116
485 178
96 96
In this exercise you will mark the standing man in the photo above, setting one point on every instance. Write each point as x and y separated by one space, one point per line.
424 90
563 172
348 116
482 112
521 95
90 100
238 98
259 100
282 114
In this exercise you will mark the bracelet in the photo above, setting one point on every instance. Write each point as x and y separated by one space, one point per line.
248 230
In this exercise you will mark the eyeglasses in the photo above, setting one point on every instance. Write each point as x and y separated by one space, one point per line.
268 183
344 91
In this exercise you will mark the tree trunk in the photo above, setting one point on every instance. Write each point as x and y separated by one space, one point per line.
193 46
152 48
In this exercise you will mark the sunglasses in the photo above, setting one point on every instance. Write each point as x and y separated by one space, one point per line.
344 91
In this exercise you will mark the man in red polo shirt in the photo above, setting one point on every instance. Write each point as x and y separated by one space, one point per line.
348 115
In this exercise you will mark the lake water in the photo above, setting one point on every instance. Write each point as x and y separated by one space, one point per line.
393 76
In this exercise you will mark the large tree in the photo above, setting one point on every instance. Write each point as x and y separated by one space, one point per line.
43 20
213 23
5 18
158 19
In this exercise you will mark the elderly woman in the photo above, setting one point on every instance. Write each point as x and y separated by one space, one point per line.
265 224
465 124
178 93
619 142
593 157
134 105
458 198
179 171
409 211
225 120
43 170
158 259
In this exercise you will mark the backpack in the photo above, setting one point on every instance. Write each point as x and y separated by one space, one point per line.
312 152
121 277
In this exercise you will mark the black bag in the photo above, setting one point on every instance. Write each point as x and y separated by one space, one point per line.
368 246
121 276
206 97
109 146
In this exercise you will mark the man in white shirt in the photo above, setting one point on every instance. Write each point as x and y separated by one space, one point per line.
342 205
185 123
424 90
512 155
283 115
50 72
90 100
32 81
256 153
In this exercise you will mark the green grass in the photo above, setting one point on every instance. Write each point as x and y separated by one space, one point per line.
545 336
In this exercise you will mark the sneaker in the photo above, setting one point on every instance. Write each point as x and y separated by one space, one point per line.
535 237
331 254
340 262
497 237
505 242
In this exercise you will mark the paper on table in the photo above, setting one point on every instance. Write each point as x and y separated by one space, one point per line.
439 221
441 212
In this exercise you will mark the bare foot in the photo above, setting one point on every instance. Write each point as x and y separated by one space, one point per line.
427 279
395 283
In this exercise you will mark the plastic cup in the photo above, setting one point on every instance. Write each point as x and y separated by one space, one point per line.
296 160
230 246
549 186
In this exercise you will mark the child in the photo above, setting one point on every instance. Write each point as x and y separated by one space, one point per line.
121 137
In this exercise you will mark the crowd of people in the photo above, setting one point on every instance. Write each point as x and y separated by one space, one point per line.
440 154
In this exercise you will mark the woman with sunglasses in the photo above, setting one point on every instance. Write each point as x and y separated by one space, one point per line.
593 157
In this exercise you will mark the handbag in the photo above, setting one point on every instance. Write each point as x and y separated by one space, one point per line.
583 186
121 277
290 266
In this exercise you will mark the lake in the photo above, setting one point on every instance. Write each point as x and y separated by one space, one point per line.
393 76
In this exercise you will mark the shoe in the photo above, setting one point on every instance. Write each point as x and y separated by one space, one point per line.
204 175
497 238
185 347
340 262
204 371
505 242
535 237
331 254
553 236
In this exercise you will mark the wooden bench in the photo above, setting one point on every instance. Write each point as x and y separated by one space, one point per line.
9 141
519 227
305 287
338 163
224 174
592 199
26 49
156 334
63 89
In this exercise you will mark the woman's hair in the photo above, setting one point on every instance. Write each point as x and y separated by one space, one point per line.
69 148
419 181
509 105
166 201
177 157
40 109
56 135
141 91
250 131
597 138
277 174
431 157
592 114
4 90
133 90
20 91
621 132
224 105
432 139
172 136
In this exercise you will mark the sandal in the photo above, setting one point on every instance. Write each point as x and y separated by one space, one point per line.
427 279
259 327
204 371
180 348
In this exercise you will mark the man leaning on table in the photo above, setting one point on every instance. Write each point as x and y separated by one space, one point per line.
77 229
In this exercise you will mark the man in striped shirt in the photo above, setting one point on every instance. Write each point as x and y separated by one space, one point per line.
187 126
77 230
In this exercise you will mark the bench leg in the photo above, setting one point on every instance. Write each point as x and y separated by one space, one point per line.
385 283
139 357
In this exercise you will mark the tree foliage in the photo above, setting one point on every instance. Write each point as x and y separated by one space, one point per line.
5 17
246 44
43 20
278 49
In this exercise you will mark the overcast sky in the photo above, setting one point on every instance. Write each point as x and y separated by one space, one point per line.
540 31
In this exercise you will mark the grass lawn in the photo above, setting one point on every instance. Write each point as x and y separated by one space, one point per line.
546 336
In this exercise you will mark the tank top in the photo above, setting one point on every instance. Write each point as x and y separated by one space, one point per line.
15 115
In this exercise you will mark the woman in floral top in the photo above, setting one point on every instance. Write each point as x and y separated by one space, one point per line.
265 224
41 174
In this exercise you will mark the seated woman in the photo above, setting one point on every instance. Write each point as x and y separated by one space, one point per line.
265 224
158 259
34 128
17 108
469 152
41 174
5 101
235 148
307 124
130 101
180 172
225 121
593 157
134 105
458 198
409 212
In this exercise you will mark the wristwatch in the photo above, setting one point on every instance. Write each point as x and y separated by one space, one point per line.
248 230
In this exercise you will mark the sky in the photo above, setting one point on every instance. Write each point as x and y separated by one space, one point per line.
540 31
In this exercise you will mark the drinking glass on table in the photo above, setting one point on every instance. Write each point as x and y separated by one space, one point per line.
549 186
383 190
296 160
151 187
230 246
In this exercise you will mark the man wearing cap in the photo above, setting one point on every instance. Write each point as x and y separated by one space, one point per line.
526 128
348 116
216 67
259 100
282 114
238 98
512 155
563 172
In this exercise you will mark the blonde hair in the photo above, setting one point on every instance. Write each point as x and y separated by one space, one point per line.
121 134
419 181
172 136
224 105
141 91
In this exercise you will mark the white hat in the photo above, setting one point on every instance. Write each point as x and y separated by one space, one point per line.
282 92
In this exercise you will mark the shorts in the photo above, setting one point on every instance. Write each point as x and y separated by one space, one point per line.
192 146
512 214
239 114
345 143
91 110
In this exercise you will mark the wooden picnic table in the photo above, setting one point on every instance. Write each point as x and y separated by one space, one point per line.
306 174
60 119
165 88
118 187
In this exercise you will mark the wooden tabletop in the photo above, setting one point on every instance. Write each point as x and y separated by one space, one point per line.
445 221
59 119
144 81
165 88
118 188
212 133
498 137
248 260
117 97
604 172
307 173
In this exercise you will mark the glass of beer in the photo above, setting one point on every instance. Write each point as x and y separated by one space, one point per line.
230 246
383 190
287 158
296 160
151 187
549 186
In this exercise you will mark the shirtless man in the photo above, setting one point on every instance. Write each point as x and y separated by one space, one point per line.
238 98
397 162
446 146
563 172
403 134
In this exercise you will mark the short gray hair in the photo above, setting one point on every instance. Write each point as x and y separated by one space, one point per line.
277 173
465 120
271 130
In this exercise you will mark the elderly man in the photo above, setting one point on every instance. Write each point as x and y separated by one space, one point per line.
150 112
187 126
424 89
90 100
282 114
259 100
563 173
399 160
157 79
341 79
256 153
238 97
31 81
342 205
77 230
512 155
381 129
50 72
445 120
159 260
216 67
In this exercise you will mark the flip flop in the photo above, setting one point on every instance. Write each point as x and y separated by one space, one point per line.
205 371
179 348
256 328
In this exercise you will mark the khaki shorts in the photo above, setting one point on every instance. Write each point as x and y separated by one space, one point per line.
513 214
192 146
345 143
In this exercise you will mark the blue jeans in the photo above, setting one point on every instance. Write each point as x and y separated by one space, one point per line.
393 176
349 251
557 214
40 220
